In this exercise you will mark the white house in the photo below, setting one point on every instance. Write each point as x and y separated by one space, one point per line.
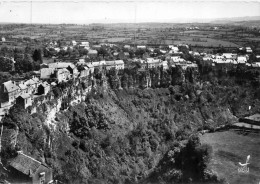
249 50
97 64
163 51
23 88
241 59
45 73
120 65
165 65
90 67
207 58
127 46
62 75
92 53
174 49
84 45
74 43
85 72
60 65
229 55
152 63
141 47
177 59
57 49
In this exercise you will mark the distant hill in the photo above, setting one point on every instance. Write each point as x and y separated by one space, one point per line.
243 21
236 19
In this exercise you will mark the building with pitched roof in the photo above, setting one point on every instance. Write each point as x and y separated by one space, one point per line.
141 47
241 59
24 100
47 73
26 169
9 91
164 64
91 68
98 64
84 72
92 53
153 63
43 88
60 65
23 87
118 65
32 85
62 75
127 46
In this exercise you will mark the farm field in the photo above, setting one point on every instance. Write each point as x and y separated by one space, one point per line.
229 148
206 42
148 33
115 39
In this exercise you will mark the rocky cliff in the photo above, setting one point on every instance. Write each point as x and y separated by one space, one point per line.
127 126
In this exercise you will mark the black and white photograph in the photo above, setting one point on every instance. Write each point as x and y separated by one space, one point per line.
130 92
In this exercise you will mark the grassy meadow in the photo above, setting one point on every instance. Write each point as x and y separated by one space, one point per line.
229 148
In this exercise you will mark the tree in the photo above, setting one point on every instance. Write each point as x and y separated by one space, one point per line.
83 51
5 77
131 54
102 51
37 55
28 50
157 51
252 58
75 53
6 64
139 52
194 158
26 64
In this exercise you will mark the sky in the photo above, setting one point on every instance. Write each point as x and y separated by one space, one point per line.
126 11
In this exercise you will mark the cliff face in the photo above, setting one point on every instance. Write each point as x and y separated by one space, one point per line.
117 131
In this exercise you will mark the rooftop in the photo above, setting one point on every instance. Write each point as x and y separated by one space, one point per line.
25 164
61 65
10 86
25 96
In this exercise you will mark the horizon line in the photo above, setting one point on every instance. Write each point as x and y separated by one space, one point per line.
181 21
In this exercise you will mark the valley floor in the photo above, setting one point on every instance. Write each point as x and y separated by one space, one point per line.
230 148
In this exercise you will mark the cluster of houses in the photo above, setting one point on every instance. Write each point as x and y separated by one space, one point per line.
21 92
172 53
231 58
23 168
226 58
24 91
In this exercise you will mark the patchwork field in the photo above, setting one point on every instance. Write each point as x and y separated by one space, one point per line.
230 148
205 42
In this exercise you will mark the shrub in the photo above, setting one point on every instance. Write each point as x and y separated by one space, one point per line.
83 146
76 144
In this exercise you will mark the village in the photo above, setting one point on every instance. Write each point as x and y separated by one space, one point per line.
129 92
59 69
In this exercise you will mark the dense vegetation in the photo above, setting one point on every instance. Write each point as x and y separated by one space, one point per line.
136 135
